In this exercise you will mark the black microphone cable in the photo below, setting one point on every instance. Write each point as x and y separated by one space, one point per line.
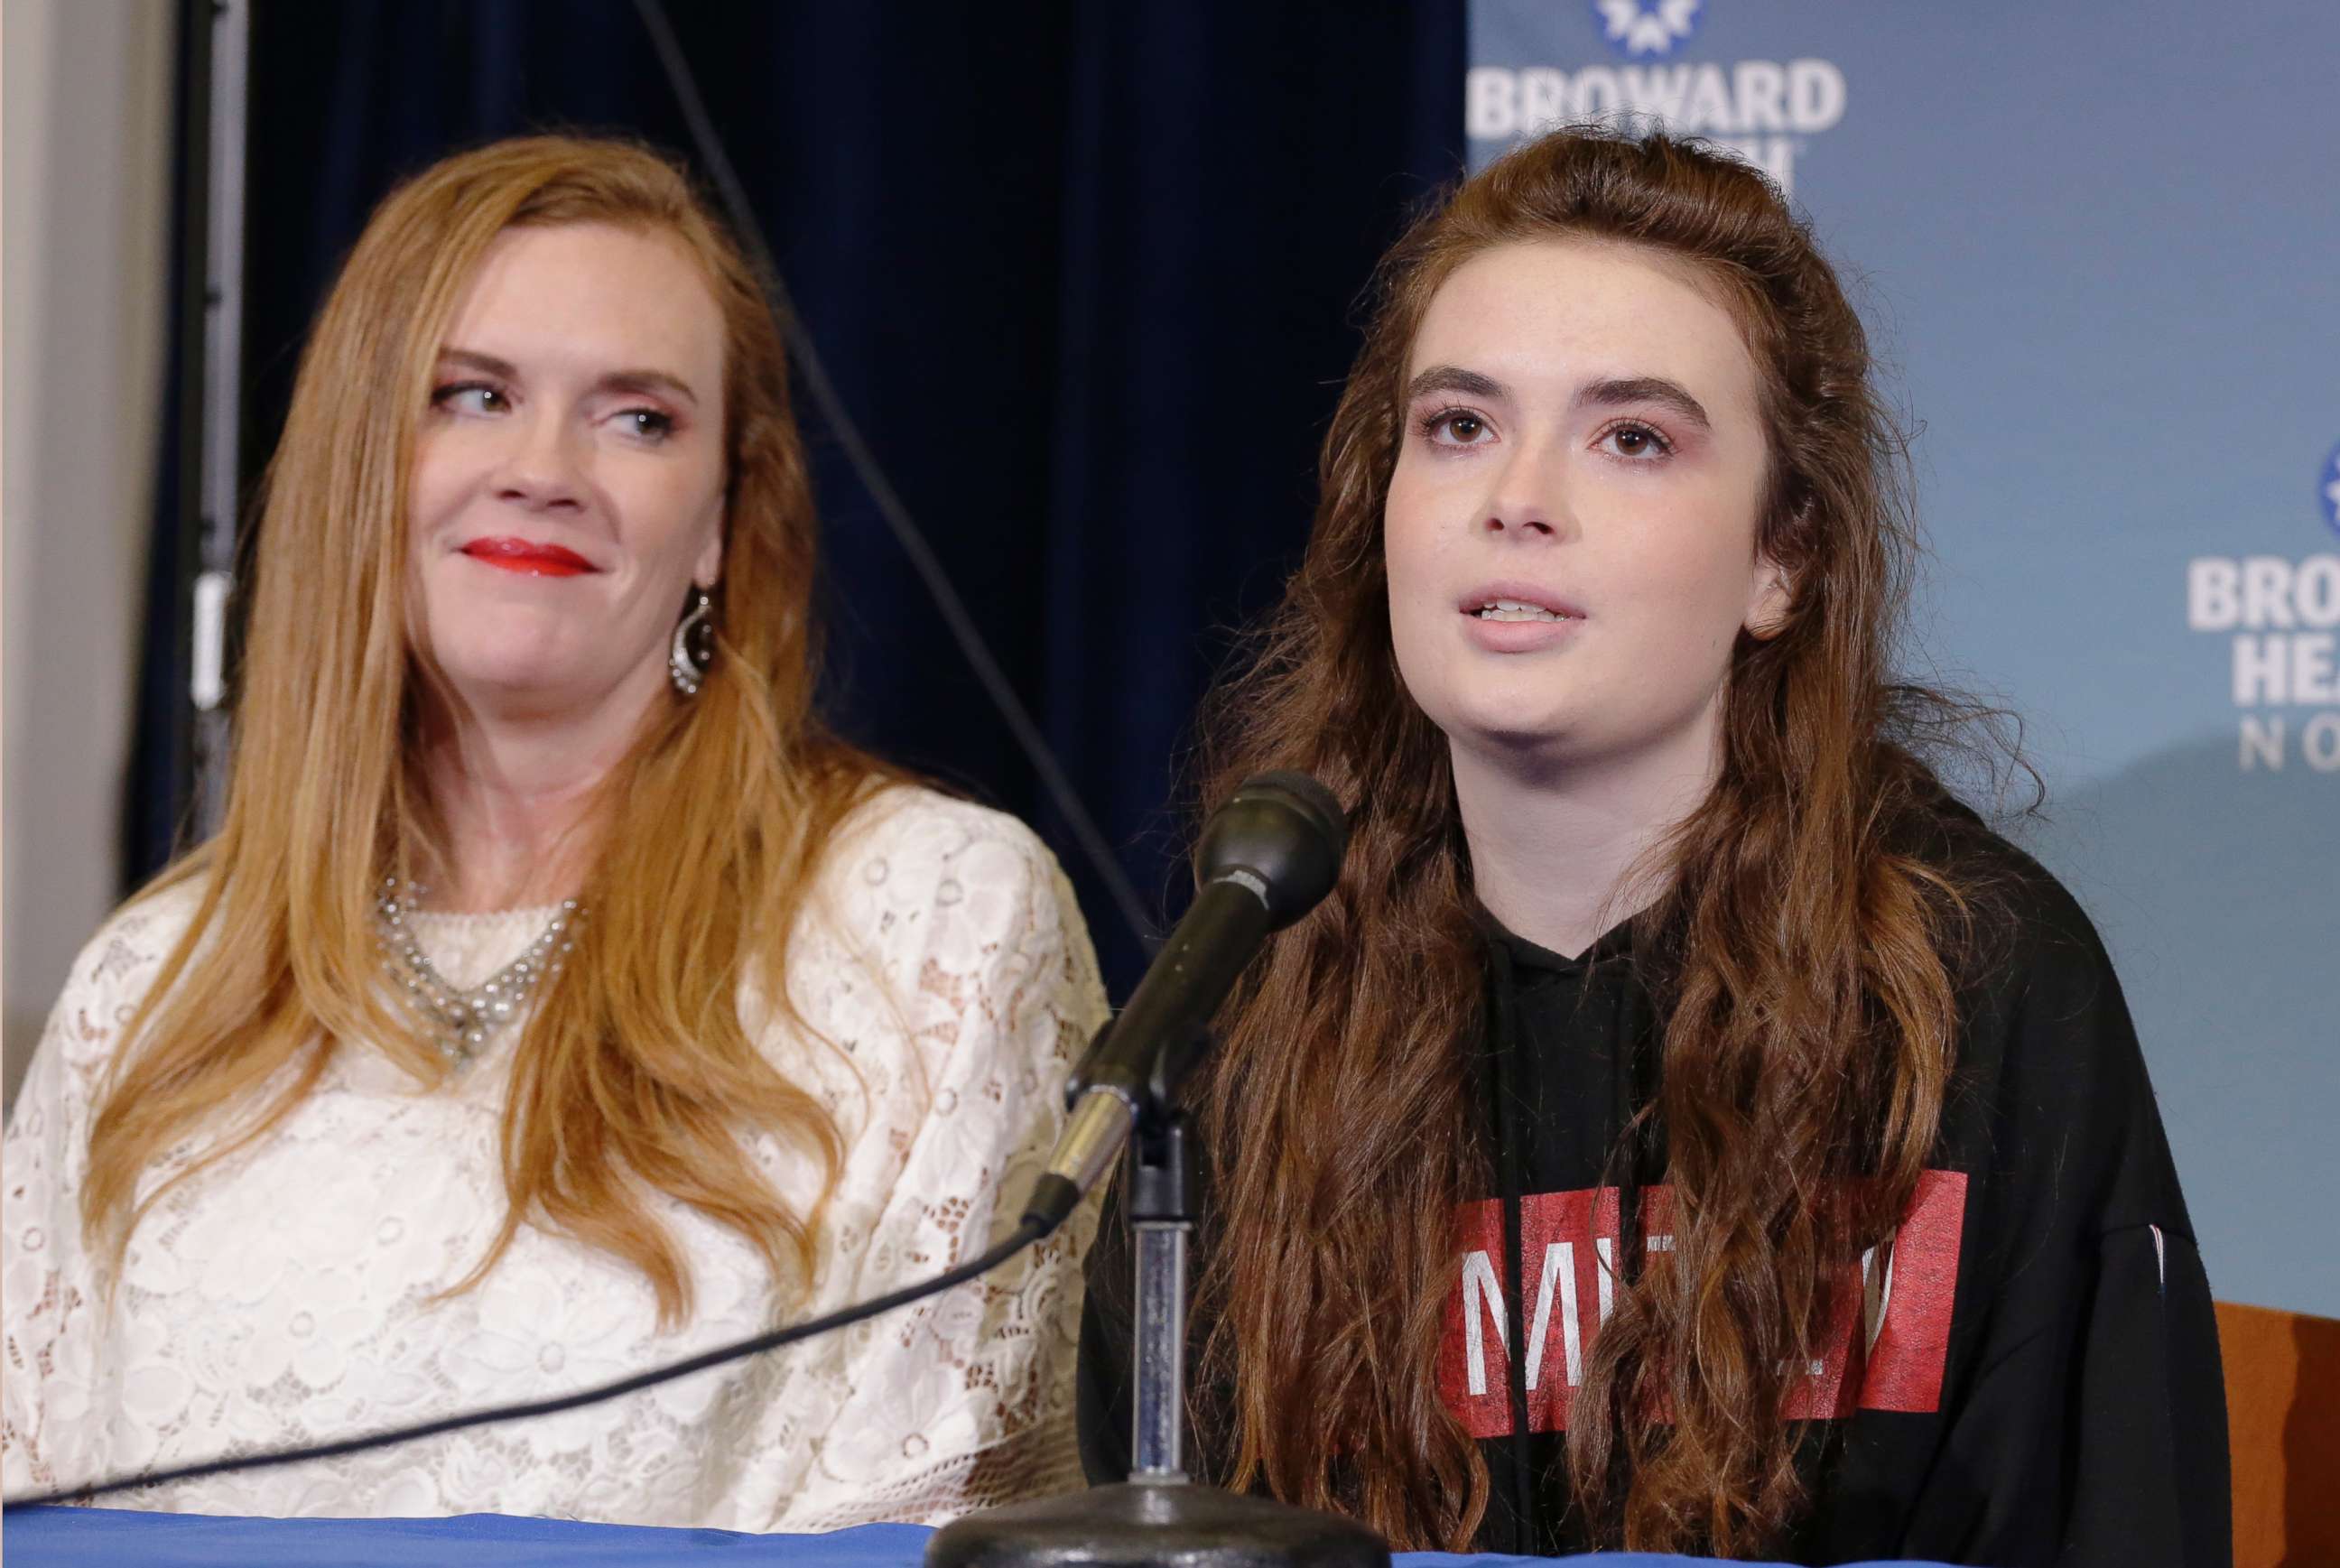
1024 1234
889 502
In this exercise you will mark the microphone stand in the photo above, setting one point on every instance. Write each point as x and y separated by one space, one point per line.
1158 1518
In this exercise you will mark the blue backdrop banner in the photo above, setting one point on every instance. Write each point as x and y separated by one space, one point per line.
2098 244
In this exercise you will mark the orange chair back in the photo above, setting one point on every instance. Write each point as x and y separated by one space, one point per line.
2283 1420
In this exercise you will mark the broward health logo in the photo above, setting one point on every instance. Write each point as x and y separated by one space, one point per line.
1638 30
1766 111
2283 618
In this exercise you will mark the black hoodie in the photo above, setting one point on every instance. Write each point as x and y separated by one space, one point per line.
2031 1377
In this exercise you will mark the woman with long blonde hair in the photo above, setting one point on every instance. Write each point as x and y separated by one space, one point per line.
1685 1127
560 996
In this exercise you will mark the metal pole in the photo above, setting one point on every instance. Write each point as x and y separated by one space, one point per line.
222 405
1161 1198
1161 1351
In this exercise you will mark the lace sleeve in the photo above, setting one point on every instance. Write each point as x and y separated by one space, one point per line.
967 1400
50 1410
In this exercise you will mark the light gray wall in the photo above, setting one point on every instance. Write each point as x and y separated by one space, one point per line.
86 122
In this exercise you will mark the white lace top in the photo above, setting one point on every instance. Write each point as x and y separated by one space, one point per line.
283 1295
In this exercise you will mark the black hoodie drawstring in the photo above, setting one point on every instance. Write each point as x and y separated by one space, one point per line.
1625 1081
1509 1153
1629 1095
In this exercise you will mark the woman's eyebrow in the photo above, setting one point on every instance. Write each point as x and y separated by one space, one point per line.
486 364
650 382
1622 390
1455 379
621 380
1612 391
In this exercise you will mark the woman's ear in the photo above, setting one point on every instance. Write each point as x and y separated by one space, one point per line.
1771 595
708 567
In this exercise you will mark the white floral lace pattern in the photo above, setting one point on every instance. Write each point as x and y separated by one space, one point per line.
288 1295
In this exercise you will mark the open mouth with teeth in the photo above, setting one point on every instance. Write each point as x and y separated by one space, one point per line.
1517 609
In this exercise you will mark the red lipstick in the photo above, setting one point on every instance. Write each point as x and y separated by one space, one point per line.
527 557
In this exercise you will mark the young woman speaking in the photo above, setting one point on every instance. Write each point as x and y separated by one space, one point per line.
1686 1127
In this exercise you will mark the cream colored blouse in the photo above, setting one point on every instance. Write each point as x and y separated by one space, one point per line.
285 1295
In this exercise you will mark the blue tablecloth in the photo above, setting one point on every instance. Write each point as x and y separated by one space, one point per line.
111 1535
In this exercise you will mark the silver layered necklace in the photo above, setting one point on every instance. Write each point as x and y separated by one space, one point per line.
462 1022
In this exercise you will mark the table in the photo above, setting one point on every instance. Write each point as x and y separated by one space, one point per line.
76 1537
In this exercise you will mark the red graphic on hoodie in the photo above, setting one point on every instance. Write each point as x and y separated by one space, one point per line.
1889 1337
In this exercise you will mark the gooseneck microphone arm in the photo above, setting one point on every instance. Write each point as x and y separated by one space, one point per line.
1113 1090
1268 855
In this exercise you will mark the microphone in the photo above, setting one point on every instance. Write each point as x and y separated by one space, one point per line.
1268 855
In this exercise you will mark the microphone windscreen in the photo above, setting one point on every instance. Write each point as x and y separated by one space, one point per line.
1281 834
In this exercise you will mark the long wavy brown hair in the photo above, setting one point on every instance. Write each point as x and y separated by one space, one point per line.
1804 959
636 1074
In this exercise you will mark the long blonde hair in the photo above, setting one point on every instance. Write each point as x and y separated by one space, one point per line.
635 1072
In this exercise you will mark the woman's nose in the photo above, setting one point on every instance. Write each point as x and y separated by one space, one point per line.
541 467
1529 499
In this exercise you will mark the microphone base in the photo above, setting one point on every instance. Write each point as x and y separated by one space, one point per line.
1155 1524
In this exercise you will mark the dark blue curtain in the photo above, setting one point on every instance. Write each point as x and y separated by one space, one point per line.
1085 274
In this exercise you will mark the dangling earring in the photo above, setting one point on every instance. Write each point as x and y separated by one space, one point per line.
693 653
